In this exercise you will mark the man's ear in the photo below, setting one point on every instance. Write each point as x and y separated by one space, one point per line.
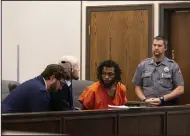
52 78
166 48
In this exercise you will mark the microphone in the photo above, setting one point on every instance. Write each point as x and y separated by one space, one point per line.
71 90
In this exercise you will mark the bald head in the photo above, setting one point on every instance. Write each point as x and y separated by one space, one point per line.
66 62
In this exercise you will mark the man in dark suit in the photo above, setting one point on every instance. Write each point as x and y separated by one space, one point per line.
33 95
63 99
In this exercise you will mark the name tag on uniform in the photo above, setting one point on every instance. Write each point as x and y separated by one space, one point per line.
166 75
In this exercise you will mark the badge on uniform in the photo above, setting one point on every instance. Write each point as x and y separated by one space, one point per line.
166 69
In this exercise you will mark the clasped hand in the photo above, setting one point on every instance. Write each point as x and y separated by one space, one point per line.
153 101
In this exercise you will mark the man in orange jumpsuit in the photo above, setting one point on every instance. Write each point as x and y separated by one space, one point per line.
107 91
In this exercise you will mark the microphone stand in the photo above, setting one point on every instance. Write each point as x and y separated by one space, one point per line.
71 86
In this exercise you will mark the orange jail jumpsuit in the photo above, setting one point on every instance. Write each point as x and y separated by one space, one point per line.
96 96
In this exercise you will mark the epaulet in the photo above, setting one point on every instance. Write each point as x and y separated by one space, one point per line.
170 60
144 61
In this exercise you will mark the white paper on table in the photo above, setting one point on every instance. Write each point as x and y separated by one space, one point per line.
122 106
125 107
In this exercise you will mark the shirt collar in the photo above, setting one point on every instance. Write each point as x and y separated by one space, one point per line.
45 83
164 61
68 82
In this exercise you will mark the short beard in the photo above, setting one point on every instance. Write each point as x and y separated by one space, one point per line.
68 77
75 78
52 88
156 55
108 85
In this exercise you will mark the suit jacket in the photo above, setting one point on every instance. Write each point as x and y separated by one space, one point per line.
62 100
30 96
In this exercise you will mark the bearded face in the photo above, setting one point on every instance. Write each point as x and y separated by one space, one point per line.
75 75
52 87
158 48
56 85
108 76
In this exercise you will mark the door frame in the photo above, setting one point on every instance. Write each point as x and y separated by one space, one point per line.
89 9
164 18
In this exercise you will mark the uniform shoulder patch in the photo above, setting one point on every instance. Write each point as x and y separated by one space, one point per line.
144 61
147 59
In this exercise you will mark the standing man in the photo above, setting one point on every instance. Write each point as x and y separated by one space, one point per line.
33 95
107 91
158 80
63 99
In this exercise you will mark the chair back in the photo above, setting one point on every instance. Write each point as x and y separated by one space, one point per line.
78 87
7 87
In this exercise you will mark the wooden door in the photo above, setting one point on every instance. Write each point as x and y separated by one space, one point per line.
121 36
180 44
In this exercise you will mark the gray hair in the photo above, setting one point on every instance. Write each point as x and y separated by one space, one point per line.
71 59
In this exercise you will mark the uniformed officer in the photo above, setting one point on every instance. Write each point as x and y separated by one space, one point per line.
158 80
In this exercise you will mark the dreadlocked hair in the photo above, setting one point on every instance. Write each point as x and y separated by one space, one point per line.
109 63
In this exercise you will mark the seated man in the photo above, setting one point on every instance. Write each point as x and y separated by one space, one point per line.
33 95
63 99
107 91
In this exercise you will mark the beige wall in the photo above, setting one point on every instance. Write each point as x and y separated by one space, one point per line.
46 30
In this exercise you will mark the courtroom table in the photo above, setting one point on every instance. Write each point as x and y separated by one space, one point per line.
170 120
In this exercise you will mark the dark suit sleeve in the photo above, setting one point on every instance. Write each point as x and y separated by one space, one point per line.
40 102
58 101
